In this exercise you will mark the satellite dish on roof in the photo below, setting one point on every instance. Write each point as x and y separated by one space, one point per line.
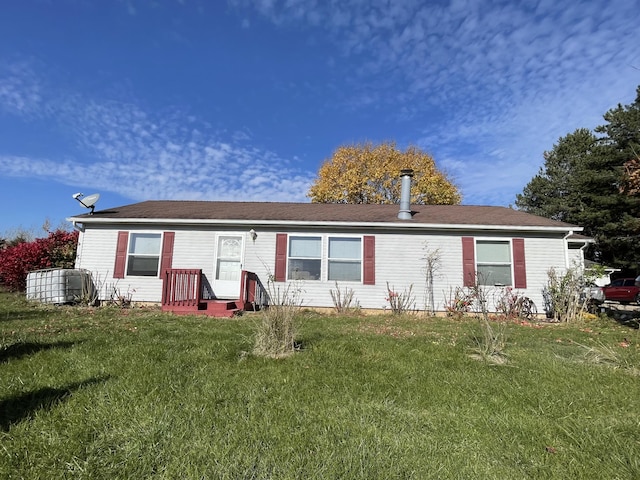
87 202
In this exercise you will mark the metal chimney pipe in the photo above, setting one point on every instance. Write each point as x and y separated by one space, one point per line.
405 194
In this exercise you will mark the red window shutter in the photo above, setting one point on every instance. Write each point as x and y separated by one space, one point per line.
121 255
369 260
519 264
468 261
166 259
280 274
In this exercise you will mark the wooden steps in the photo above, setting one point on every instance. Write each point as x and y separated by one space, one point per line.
182 294
219 308
210 308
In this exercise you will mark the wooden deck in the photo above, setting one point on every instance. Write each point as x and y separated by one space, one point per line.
182 293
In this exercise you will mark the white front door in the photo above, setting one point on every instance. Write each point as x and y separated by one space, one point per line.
226 283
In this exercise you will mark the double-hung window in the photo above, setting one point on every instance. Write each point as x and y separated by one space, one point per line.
144 254
324 258
305 258
345 259
493 262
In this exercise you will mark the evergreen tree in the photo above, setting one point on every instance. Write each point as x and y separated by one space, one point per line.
555 192
582 182
619 238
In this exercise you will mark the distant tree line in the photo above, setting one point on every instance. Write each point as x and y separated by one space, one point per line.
592 179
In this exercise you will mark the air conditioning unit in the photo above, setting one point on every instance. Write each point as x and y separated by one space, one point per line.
59 285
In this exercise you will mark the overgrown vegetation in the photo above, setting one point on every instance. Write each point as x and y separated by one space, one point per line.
432 262
491 339
562 295
512 304
344 301
275 334
135 393
401 302
458 302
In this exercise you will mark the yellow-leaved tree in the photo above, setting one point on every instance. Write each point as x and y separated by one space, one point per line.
367 173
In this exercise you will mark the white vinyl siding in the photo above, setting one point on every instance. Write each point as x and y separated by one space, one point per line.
144 254
399 260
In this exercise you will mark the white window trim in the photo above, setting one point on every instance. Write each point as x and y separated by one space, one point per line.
324 255
494 239
129 243
215 253
361 260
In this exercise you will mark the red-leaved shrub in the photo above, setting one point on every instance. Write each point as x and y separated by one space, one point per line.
58 250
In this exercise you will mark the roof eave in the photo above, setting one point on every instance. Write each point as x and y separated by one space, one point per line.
315 224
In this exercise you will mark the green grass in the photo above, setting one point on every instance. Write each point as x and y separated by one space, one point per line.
122 394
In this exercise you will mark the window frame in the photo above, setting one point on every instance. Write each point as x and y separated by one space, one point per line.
302 258
359 261
324 258
510 263
130 254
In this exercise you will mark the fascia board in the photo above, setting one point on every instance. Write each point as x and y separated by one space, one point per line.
315 224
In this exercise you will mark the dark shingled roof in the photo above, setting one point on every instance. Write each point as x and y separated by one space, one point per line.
320 212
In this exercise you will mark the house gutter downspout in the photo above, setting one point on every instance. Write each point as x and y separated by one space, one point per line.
78 226
582 269
565 239
582 249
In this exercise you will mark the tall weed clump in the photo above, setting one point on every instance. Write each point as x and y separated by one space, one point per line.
401 302
276 332
432 262
563 301
513 305
344 301
458 303
491 341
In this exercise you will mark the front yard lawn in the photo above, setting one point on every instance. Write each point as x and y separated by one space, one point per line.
135 393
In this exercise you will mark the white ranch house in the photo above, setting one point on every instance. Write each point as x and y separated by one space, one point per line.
220 252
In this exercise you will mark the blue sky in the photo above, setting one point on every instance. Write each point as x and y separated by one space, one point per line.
244 100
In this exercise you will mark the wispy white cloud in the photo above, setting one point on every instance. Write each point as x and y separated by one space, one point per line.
486 86
138 154
506 78
20 89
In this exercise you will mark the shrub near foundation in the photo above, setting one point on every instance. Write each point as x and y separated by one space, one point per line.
57 250
562 294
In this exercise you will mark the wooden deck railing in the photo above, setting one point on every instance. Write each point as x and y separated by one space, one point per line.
181 288
253 295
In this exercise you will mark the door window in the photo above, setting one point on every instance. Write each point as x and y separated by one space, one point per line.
229 257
